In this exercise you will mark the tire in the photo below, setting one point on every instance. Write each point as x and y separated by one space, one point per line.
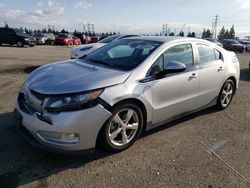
115 140
226 94
19 44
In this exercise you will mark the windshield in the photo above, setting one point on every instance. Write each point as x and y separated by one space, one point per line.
21 33
62 35
211 40
37 35
108 39
123 54
233 42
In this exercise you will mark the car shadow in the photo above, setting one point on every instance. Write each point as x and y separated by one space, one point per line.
30 69
13 46
22 164
245 74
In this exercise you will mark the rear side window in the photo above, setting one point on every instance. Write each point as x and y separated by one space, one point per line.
206 53
218 55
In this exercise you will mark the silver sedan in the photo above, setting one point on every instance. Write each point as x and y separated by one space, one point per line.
110 96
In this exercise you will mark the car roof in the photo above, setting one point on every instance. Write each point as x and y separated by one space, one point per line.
167 39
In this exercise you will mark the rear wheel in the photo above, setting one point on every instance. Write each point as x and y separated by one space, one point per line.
123 128
226 94
19 44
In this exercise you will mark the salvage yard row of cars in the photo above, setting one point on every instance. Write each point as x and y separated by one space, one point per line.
20 38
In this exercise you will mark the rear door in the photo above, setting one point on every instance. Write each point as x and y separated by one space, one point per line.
211 71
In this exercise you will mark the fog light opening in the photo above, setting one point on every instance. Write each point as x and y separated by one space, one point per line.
60 138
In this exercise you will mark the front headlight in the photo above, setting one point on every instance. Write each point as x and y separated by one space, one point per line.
72 102
26 39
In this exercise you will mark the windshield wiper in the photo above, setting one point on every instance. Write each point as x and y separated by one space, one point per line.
101 62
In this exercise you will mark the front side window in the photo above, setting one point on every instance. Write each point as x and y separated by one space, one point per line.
123 54
182 53
206 53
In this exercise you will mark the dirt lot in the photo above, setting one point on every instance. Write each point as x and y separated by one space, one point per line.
175 155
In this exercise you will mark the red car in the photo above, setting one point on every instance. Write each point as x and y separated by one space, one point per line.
64 39
76 41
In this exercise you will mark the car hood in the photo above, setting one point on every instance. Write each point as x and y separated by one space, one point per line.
237 45
73 76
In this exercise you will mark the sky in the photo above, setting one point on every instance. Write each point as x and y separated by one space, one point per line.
127 16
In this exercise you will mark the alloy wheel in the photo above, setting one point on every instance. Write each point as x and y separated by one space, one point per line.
227 94
123 127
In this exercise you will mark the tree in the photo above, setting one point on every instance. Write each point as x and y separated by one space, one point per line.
189 34
227 34
193 34
6 25
204 33
232 32
222 33
171 34
44 30
26 30
181 34
50 30
63 31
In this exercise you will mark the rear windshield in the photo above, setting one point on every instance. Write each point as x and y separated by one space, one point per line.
108 39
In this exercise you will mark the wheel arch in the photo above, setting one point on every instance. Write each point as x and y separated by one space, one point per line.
234 80
129 100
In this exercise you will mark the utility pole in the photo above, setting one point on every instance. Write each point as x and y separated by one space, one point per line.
215 24
164 29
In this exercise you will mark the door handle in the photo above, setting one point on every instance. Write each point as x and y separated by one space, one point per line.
220 69
193 75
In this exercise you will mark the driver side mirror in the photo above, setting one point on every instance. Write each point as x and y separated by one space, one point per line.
172 67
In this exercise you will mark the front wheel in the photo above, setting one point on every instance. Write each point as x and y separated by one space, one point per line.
123 127
226 94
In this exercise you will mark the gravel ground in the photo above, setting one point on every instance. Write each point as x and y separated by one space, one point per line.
175 155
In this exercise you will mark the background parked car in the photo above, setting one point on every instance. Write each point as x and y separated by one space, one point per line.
51 39
76 41
233 45
15 36
42 38
246 44
64 39
214 41
87 48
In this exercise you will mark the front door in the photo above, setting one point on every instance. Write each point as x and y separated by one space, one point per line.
175 93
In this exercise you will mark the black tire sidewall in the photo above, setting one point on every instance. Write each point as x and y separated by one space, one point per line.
219 104
105 141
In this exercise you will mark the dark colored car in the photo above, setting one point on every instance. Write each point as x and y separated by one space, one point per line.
15 36
64 39
232 45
